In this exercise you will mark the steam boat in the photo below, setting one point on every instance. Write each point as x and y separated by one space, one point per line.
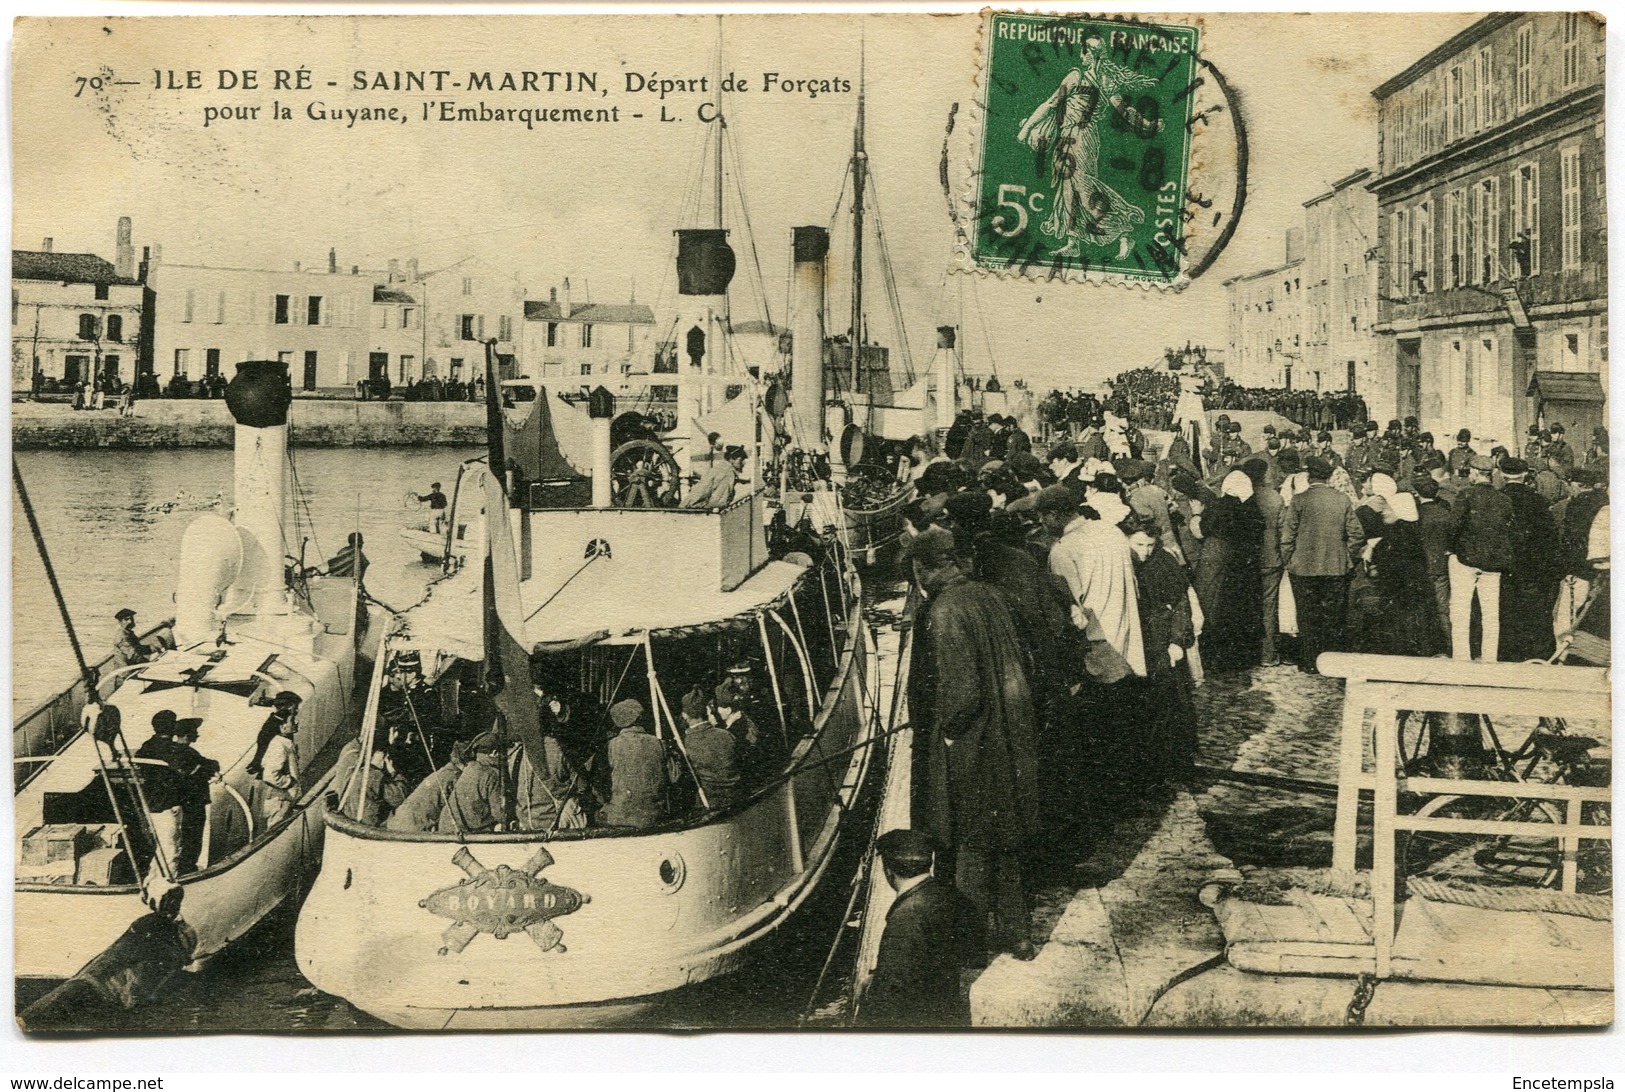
597 585
248 624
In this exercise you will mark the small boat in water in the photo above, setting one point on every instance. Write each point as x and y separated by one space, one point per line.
249 625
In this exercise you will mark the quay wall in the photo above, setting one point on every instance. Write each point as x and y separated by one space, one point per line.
164 423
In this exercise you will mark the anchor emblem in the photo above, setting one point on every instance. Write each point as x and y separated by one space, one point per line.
503 900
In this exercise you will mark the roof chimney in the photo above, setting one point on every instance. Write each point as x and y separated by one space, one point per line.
124 252
394 270
564 299
332 259
552 295
297 266
355 270
411 269
50 244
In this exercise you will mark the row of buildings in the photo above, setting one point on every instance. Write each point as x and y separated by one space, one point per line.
78 316
1463 280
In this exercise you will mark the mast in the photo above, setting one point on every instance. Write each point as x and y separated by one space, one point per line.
860 162
716 215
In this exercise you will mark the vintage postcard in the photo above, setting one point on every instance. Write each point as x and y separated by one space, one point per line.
991 520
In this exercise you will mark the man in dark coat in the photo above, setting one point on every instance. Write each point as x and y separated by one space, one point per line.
1529 590
1436 523
1163 589
637 770
975 773
1320 537
1268 500
916 976
1480 553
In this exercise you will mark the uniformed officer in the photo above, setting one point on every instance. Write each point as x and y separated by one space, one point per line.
1558 452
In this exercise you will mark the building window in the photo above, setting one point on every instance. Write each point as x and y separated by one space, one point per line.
504 327
1571 351
211 362
1526 217
465 325
468 286
1457 238
285 356
408 367
586 369
1571 49
552 334
101 291
313 311
190 302
115 327
1458 102
1484 71
1399 133
279 316
383 317
586 336
1424 143
183 359
1524 74
1466 368
1489 229
1569 172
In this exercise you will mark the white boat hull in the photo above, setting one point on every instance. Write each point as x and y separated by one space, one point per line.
663 910
59 929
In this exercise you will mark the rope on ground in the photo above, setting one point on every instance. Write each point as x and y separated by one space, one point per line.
1594 907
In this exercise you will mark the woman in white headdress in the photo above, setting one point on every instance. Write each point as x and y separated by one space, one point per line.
1227 580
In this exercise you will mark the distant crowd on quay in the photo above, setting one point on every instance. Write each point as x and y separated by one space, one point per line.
1148 397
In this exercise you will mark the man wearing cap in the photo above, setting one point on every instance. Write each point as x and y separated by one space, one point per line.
1559 452
1358 460
1320 538
1529 589
477 805
420 812
761 754
1091 444
131 648
162 790
436 500
1436 522
195 775
278 762
712 752
1322 446
1534 446
975 767
1481 550
1462 453
715 489
915 983
638 772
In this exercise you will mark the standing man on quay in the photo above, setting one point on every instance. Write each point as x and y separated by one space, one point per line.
975 770
1320 537
916 976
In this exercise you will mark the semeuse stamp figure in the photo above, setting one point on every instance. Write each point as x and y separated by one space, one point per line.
1085 146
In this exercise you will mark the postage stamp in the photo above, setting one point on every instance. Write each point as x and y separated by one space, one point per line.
1083 163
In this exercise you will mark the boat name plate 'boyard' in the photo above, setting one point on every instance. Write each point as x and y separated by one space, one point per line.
503 900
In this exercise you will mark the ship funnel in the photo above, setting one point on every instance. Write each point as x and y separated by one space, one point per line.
705 262
943 402
807 333
258 397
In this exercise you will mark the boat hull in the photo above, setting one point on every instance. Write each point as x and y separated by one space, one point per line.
657 912
59 929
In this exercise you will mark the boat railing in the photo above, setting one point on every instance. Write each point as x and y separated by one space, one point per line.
52 725
1386 687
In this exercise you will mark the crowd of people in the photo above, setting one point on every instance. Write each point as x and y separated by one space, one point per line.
1064 607
1330 410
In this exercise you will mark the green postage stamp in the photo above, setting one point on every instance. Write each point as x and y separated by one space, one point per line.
1084 155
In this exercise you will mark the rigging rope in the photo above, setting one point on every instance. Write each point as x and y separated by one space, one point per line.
750 234
890 281
85 671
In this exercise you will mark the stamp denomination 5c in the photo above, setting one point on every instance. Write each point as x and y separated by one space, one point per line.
1084 155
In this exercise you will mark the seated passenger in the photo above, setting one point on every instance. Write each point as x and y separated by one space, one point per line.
420 812
712 752
761 754
386 788
637 770
476 805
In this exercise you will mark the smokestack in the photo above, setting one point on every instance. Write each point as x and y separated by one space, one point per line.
146 262
332 259
946 399
412 269
258 399
394 270
564 299
50 244
124 251
807 337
